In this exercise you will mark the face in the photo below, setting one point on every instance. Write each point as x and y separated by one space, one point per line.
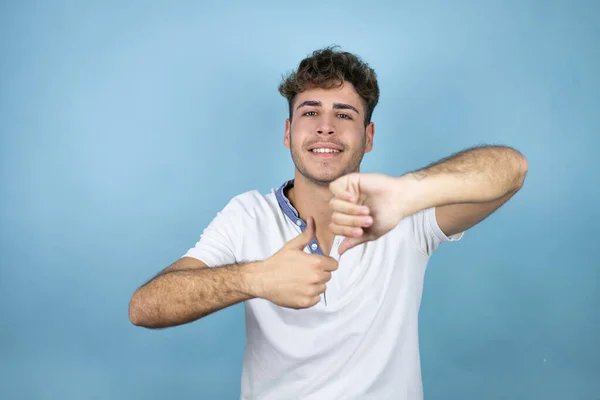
327 136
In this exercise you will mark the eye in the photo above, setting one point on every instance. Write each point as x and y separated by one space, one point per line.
310 113
344 116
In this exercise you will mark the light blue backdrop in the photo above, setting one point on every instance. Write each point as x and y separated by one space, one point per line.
125 126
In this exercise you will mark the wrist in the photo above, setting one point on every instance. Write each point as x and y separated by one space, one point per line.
252 279
411 194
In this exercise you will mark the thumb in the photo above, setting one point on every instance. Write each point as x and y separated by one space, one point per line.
346 187
302 240
348 243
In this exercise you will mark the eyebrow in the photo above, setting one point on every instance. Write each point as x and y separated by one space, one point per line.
336 106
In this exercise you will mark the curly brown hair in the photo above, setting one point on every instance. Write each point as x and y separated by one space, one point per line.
327 68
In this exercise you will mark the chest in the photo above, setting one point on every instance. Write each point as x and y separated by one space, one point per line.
365 272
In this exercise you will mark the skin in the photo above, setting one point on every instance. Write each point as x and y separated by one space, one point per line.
333 116
335 198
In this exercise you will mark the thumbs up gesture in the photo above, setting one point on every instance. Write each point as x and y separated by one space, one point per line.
292 278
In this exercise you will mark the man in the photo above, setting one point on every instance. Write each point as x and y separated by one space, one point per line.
330 265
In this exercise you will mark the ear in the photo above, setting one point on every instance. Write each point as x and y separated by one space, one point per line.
370 132
286 137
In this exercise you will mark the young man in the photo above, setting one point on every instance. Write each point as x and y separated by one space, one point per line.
330 265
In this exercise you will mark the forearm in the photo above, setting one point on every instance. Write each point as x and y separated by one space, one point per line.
476 175
182 296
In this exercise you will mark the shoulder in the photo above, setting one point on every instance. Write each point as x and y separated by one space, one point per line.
251 203
245 201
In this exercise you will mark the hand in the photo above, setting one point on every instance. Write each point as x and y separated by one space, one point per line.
365 207
292 278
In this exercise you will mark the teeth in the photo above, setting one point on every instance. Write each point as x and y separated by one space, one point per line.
325 151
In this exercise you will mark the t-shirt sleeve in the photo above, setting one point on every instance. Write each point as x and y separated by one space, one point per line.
216 246
427 233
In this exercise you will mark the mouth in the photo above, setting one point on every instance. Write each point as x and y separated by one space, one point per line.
325 153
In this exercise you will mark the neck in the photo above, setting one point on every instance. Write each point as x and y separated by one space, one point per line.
312 200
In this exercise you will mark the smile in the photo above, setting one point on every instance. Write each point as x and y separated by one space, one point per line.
325 151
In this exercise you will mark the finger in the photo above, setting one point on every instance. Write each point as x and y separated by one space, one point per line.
329 267
320 288
314 301
351 220
348 231
346 207
332 265
325 263
346 187
302 240
325 277
349 243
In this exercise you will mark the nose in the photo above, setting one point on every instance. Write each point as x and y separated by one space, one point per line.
325 127
325 131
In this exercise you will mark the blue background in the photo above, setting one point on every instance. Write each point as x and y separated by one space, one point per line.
126 126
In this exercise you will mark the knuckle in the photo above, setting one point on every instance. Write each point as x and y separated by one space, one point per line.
353 221
316 277
337 217
319 263
307 302
315 268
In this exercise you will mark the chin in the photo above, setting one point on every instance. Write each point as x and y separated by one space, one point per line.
323 178
322 174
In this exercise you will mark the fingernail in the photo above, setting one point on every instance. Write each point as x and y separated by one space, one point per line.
364 210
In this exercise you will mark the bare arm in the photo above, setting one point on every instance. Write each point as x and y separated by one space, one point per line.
188 290
464 189
467 187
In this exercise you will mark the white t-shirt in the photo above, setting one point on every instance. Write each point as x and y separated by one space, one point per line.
361 340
